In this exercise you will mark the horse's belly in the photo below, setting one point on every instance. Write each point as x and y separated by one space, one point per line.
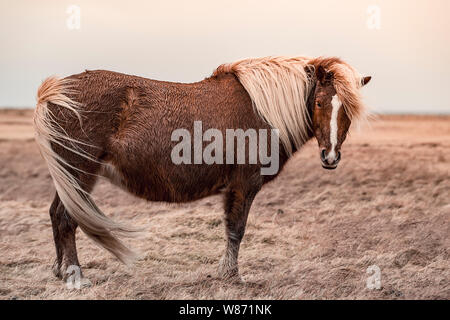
182 183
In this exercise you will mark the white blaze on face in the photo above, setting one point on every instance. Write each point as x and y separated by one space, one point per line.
336 104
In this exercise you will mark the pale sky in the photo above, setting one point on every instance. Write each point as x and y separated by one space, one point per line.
408 57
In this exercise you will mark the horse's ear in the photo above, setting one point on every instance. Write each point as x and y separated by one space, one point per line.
323 75
320 73
365 80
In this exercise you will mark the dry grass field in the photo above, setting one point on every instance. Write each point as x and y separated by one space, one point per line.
312 233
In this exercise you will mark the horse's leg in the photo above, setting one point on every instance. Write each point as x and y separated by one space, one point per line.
64 230
238 200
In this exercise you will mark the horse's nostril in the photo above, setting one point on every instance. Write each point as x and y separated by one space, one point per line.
322 155
338 157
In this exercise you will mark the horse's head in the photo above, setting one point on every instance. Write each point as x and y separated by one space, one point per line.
330 121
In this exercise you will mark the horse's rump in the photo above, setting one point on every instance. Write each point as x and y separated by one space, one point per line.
73 160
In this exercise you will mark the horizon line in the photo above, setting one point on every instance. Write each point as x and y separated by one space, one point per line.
381 112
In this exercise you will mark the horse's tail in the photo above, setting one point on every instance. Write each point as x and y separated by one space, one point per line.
79 205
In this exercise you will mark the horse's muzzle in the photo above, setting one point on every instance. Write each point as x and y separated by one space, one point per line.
327 163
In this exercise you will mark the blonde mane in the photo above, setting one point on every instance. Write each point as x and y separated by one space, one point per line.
279 88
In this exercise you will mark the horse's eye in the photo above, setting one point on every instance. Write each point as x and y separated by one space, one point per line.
319 105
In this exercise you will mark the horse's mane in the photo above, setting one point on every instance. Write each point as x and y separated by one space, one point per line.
279 88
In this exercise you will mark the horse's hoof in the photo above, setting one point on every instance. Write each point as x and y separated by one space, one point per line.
231 276
233 279
237 279
56 269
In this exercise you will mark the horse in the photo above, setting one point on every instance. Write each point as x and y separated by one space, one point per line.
106 124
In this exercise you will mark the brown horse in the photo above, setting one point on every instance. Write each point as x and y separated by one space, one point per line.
102 123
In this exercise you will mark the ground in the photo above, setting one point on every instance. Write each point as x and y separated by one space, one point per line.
312 233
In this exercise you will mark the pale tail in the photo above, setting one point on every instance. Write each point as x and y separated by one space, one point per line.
77 202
